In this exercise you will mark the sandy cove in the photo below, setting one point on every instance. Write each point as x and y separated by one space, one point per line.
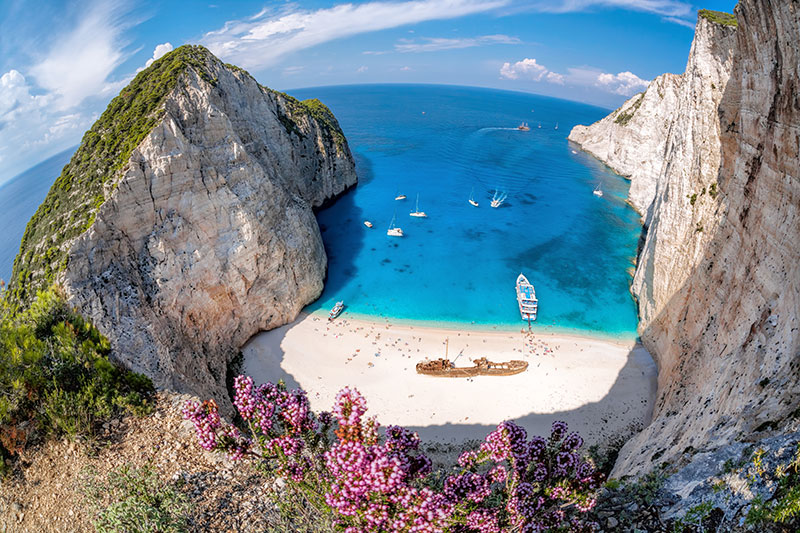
601 388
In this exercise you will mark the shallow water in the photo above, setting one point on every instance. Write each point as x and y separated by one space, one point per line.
460 264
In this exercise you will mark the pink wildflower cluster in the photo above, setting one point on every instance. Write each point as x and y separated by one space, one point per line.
375 481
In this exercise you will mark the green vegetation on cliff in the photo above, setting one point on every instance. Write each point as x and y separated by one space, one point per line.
718 17
625 116
72 203
56 378
91 175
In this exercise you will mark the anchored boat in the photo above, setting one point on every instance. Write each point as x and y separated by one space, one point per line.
472 198
417 212
597 191
336 310
393 230
481 367
526 298
367 223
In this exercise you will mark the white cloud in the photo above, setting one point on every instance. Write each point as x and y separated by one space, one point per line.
160 51
525 69
289 71
439 43
677 11
16 98
362 68
79 63
554 77
262 39
624 83
405 69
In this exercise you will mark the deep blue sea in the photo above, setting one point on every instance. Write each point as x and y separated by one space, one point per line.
458 265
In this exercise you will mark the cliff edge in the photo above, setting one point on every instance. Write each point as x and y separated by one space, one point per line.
718 278
184 222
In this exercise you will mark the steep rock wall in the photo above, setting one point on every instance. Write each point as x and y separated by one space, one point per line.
717 279
208 234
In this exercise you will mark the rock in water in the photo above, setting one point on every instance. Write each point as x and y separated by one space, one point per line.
718 275
184 223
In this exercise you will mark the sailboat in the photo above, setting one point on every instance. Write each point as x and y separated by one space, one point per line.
399 196
393 230
524 127
472 198
417 212
556 125
597 191
540 125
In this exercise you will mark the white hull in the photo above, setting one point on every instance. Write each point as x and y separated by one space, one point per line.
419 214
367 223
526 299
400 197
473 202
394 232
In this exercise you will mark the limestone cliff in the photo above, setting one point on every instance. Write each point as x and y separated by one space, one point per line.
203 233
717 280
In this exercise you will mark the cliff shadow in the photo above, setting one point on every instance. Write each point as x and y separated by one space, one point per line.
341 225
623 410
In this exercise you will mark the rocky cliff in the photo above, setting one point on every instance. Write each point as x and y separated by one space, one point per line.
201 231
717 280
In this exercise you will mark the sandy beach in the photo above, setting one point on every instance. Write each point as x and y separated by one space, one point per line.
601 388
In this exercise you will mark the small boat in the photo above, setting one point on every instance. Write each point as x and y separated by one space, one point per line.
367 223
336 310
597 191
526 298
400 197
416 212
393 230
524 127
574 152
445 368
540 125
556 125
498 199
472 198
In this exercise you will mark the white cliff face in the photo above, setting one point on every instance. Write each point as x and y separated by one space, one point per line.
209 235
631 140
718 275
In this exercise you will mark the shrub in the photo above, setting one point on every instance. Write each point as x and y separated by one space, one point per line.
133 500
784 506
56 378
341 466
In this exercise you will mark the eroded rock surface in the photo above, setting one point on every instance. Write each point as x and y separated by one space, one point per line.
209 235
717 280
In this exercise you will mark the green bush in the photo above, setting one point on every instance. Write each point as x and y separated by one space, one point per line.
719 17
56 378
784 506
135 500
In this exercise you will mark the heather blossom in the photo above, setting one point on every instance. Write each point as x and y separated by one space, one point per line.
375 481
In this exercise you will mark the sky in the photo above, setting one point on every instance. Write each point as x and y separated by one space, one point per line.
61 62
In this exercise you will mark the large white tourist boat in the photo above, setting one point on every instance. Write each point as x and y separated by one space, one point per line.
393 230
416 212
526 298
336 310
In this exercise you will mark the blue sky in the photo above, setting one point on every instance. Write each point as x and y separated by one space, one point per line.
61 62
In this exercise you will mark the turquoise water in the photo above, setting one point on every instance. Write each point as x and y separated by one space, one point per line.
459 265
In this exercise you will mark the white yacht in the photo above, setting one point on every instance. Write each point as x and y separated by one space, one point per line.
597 191
416 212
472 198
393 230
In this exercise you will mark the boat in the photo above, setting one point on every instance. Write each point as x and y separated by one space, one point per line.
393 230
524 127
498 199
445 368
417 212
540 125
336 310
367 223
556 125
399 196
526 298
472 198
597 191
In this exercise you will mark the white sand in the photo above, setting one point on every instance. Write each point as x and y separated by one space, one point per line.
599 387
